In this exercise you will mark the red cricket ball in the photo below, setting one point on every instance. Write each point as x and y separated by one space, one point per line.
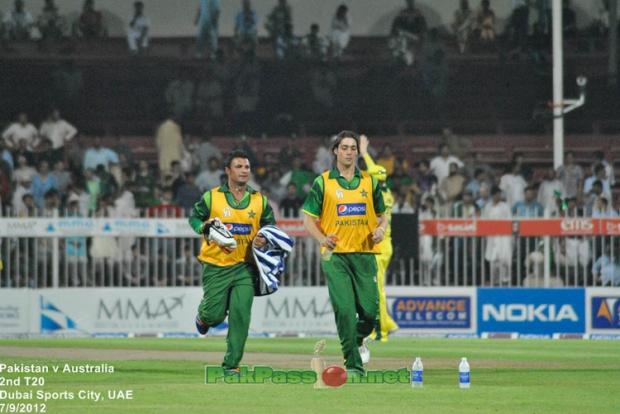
334 376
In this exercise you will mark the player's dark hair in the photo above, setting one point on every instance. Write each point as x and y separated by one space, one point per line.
345 134
235 154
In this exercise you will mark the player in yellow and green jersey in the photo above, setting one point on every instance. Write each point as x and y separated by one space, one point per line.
228 275
386 323
344 213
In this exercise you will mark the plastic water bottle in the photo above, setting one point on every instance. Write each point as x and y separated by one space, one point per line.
464 373
327 253
417 373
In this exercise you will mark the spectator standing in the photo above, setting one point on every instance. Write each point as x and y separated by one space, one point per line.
549 191
315 46
99 155
486 24
411 20
42 182
571 175
246 23
138 30
606 269
19 130
440 165
499 248
62 177
169 142
207 19
451 188
323 159
144 186
464 21
478 181
90 24
513 184
340 34
278 20
50 23
59 132
18 22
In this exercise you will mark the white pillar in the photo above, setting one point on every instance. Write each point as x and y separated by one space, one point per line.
558 84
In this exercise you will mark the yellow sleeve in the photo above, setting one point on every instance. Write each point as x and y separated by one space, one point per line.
369 161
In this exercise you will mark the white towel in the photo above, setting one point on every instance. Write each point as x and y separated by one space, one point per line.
271 258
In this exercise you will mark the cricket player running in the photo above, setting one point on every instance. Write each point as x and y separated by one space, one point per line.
344 213
228 273
386 323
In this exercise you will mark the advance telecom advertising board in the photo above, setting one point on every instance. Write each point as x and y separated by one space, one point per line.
308 310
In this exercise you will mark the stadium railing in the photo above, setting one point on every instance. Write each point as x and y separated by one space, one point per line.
71 251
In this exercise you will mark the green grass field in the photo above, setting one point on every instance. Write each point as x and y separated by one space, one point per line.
167 376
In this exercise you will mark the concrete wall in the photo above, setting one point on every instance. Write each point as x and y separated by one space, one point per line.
370 17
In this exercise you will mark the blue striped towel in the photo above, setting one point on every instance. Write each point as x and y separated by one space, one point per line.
271 258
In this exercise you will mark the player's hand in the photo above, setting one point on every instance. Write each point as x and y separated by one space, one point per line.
378 234
259 241
329 241
363 145
227 250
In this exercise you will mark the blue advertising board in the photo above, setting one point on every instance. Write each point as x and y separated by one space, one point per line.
531 311
432 312
605 312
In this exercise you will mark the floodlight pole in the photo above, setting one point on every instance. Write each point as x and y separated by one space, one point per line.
558 84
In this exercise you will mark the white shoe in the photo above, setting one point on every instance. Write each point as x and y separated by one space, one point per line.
365 352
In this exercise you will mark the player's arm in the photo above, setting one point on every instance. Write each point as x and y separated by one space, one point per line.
267 218
364 142
312 212
200 213
382 220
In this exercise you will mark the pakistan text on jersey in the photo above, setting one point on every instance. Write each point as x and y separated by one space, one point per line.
352 222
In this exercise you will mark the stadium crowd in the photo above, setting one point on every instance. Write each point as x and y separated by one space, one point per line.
473 28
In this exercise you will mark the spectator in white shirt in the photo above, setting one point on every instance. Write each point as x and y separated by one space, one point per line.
499 248
18 130
59 132
23 172
440 165
138 30
549 191
324 159
340 34
98 155
513 184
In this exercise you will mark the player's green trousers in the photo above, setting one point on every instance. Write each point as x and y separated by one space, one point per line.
228 290
352 283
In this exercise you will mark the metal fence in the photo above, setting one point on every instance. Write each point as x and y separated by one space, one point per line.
83 260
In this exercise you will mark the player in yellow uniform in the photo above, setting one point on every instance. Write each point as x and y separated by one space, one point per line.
386 323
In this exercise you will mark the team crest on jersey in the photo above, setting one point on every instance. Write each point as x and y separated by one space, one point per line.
227 212
339 194
239 228
351 209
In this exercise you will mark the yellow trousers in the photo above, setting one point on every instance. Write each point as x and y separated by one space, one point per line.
386 323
